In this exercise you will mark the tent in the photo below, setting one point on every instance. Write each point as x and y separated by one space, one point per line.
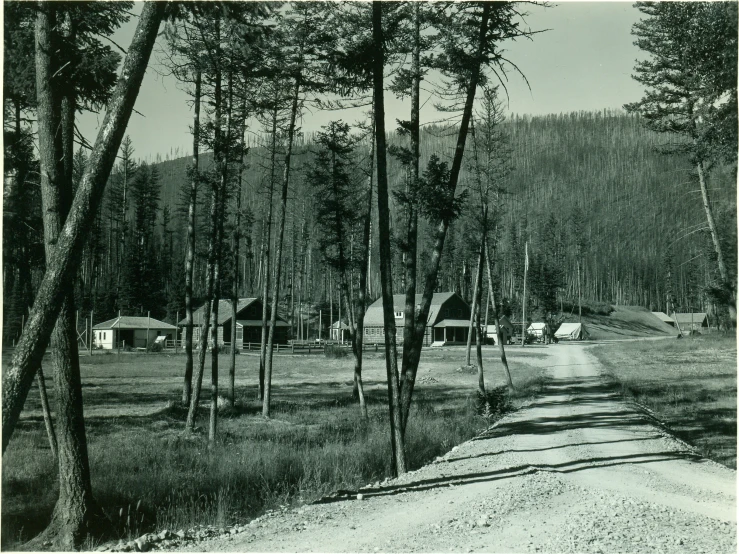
537 329
572 331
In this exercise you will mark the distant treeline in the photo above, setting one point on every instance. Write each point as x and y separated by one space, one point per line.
587 187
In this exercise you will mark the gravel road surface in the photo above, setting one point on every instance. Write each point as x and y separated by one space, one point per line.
578 470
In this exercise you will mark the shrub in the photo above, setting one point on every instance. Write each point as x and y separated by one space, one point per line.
334 351
156 347
493 403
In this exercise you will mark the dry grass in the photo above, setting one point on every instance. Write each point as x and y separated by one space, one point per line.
148 475
689 384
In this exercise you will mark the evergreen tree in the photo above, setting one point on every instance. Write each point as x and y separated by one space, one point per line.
691 80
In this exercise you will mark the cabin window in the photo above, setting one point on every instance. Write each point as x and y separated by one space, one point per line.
103 336
398 315
459 312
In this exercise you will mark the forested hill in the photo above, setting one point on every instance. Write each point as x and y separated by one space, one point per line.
640 211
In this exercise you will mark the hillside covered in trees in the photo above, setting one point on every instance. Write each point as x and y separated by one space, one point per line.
587 186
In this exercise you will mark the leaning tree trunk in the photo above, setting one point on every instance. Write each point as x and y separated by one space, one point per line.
499 335
74 512
190 256
386 273
414 354
63 265
475 292
278 255
46 410
712 224
477 308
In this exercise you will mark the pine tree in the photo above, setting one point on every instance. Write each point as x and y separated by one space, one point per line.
691 85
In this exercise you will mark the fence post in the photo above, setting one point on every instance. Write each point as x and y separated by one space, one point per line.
278 347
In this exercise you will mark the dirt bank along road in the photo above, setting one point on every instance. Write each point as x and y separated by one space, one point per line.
578 470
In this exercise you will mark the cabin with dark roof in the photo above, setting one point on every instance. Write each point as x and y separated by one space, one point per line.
448 320
248 323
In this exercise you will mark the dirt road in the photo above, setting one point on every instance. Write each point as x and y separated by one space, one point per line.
576 471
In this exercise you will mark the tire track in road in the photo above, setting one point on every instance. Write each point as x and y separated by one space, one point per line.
578 470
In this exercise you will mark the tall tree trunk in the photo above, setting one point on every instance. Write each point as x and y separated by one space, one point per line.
236 242
222 155
278 255
64 264
358 339
412 235
74 512
265 257
523 302
414 354
579 294
386 271
209 293
190 255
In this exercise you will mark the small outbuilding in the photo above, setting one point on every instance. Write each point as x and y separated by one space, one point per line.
572 331
339 331
506 331
662 316
133 331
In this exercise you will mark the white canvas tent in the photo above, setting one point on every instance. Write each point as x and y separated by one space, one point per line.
537 329
572 331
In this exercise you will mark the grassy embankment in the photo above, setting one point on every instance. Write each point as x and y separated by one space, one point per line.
689 384
147 475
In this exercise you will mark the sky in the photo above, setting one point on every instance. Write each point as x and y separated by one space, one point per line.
582 62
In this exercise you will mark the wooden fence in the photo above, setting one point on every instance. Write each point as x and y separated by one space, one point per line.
294 347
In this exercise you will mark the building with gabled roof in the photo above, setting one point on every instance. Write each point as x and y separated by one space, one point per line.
248 323
133 331
506 331
339 331
448 320
691 321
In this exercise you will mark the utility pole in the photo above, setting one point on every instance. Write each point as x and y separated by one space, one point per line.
523 315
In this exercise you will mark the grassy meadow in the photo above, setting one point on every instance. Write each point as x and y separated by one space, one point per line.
148 475
689 384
